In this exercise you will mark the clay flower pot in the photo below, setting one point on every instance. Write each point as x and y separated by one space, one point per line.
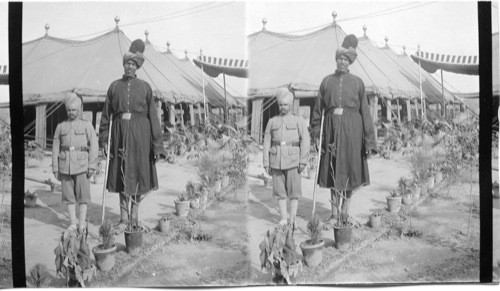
407 199
182 208
164 225
342 236
30 201
313 254
195 203
495 192
133 241
393 204
104 258
375 220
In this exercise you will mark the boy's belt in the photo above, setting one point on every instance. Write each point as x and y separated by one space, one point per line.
73 148
288 143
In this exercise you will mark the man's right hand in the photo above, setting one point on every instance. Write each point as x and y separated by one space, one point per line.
57 175
268 170
105 150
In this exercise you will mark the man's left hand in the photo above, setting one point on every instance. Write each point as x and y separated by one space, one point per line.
301 168
90 173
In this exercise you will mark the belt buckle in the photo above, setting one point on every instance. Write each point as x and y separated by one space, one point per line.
338 111
71 148
283 143
126 115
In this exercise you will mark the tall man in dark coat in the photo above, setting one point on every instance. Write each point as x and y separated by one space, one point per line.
136 142
348 132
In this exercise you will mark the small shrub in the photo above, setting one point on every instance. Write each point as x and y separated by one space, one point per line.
106 234
40 276
314 230
33 150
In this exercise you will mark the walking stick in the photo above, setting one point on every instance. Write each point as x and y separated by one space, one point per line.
107 167
317 162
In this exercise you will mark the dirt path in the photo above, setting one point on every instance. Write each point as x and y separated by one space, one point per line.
442 253
216 261
230 255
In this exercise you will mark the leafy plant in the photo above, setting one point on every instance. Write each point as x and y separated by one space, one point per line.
314 230
99 171
106 234
40 276
33 150
394 194
277 253
29 195
73 257
5 154
183 198
377 213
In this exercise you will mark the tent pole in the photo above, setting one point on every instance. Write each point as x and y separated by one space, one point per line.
420 83
225 98
443 109
204 98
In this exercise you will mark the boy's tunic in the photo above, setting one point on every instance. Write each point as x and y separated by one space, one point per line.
286 146
74 151
75 148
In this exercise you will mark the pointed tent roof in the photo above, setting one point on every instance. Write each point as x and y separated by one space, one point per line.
410 69
301 62
213 91
53 66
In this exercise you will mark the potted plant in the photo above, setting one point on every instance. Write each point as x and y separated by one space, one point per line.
495 189
277 254
133 233
99 171
182 205
342 228
39 276
104 253
164 224
30 198
73 258
376 219
312 249
311 171
194 196
394 201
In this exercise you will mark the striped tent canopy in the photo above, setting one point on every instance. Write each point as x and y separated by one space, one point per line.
4 75
300 62
431 62
213 91
215 66
52 67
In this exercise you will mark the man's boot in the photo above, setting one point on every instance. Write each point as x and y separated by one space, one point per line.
123 223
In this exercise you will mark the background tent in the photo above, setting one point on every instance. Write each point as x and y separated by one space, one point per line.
213 91
52 67
301 62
